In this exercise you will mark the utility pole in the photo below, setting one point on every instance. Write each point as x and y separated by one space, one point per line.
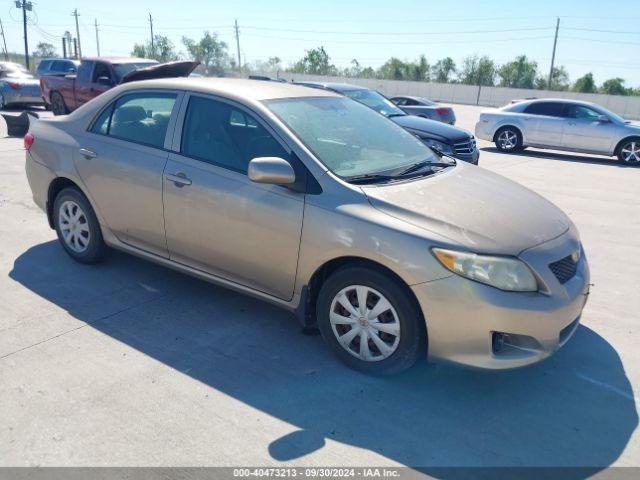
553 55
153 47
6 52
97 38
64 47
25 6
238 45
76 14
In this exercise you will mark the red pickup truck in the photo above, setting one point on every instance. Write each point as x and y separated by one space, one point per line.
63 94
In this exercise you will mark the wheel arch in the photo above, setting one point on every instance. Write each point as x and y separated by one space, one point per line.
55 187
616 150
507 125
306 311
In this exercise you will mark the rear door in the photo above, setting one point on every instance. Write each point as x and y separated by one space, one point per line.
121 160
87 87
544 123
216 219
584 130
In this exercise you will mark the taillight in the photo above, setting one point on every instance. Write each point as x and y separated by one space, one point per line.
14 85
28 141
441 111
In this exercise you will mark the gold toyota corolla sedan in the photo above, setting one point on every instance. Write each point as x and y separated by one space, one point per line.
314 202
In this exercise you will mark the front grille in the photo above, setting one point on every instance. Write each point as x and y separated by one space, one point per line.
465 148
565 269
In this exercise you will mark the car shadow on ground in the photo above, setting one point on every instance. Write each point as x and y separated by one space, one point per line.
564 157
575 409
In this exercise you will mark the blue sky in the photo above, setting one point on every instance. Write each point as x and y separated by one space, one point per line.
595 36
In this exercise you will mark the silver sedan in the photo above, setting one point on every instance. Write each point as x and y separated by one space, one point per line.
561 124
18 86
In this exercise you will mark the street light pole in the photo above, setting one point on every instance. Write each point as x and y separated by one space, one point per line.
24 5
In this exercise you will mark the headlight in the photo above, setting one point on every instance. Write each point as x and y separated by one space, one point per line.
439 146
505 273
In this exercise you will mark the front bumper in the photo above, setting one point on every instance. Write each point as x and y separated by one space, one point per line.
462 315
473 157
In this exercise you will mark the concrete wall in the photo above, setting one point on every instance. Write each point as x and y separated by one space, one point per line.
626 106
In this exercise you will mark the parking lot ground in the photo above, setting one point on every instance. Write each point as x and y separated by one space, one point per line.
130 364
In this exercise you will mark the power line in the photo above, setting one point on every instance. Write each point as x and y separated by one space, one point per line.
377 33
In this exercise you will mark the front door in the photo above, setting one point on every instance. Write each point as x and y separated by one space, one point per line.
584 130
219 221
121 160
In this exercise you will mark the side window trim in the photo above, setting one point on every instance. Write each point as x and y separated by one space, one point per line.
180 95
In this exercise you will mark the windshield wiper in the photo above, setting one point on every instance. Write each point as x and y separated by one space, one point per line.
418 166
369 178
391 115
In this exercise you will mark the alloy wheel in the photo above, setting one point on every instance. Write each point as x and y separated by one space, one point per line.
365 323
507 140
630 152
74 226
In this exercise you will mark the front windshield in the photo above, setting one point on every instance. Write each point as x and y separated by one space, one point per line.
373 99
349 138
122 69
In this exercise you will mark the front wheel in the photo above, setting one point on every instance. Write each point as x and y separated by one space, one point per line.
77 227
508 139
629 152
57 104
370 321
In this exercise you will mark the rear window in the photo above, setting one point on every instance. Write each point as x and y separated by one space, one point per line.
551 109
121 69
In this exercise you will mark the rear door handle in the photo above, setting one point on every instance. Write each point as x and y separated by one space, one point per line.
179 179
88 154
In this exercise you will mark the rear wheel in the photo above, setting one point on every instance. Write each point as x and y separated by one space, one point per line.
629 152
58 106
77 227
2 102
370 321
508 139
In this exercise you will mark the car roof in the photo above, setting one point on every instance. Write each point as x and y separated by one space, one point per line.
338 87
51 59
233 87
555 100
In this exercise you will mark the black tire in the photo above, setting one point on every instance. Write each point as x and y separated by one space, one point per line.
3 105
509 147
629 144
94 248
58 107
412 343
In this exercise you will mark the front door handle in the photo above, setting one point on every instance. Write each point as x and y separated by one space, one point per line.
87 153
179 179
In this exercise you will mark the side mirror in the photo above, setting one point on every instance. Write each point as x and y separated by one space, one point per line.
271 170
106 81
71 70
603 119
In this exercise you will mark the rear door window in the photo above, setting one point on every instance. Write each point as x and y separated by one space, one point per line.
141 118
84 71
550 109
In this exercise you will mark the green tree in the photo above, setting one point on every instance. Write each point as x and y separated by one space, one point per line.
45 50
520 73
477 71
367 72
394 69
419 71
316 62
354 70
614 86
443 70
559 80
585 84
162 50
209 51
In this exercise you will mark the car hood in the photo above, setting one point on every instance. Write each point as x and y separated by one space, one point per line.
473 207
163 70
432 128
